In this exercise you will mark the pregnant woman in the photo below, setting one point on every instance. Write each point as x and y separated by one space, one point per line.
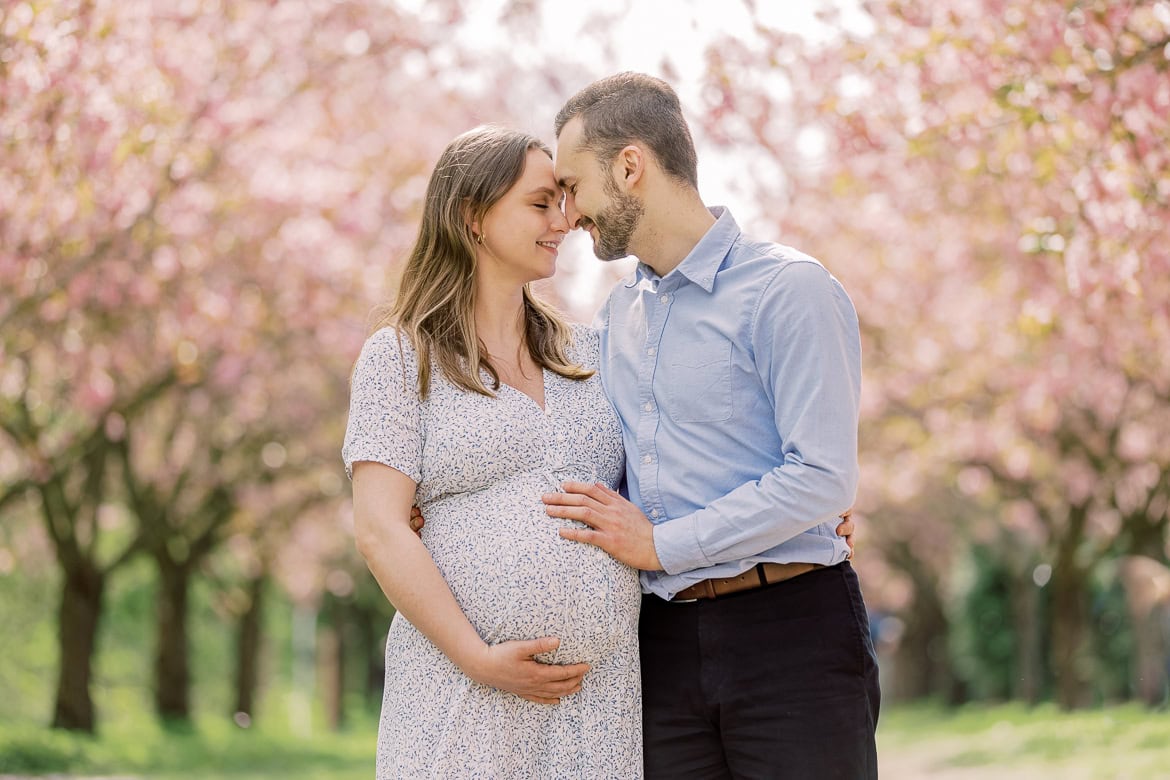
513 653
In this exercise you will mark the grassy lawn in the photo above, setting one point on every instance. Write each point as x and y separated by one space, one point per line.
1012 742
1001 743
212 750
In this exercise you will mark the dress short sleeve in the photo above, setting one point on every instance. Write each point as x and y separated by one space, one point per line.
384 407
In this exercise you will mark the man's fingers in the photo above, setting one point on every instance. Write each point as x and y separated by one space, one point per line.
565 499
586 535
845 528
591 489
539 699
570 500
608 491
584 514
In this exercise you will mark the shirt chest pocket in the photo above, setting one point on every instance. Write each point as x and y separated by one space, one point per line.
698 384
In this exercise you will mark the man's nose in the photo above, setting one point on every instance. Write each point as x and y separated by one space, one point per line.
571 213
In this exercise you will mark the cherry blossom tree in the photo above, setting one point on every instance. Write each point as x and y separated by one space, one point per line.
991 182
200 204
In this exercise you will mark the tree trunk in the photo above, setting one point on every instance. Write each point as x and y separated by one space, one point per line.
1071 665
1147 596
1028 681
920 664
172 678
248 649
1150 653
332 664
371 628
79 618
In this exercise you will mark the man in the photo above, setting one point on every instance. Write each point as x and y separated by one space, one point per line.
735 368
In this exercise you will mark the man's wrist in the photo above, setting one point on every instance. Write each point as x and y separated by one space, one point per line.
654 547
676 545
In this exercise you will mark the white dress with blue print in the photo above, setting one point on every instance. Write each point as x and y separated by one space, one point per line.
481 465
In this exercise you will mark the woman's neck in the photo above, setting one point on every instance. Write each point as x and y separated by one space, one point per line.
500 320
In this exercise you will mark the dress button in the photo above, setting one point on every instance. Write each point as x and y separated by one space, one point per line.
646 458
654 513
664 298
648 407
651 351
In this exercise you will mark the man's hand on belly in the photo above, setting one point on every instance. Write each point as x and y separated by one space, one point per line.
615 524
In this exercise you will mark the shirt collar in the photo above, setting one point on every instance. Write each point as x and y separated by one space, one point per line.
706 258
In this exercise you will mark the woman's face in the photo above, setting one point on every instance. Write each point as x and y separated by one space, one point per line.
523 230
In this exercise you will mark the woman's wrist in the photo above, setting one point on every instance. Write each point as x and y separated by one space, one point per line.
472 659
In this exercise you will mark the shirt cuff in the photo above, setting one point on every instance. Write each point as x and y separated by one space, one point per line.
677 544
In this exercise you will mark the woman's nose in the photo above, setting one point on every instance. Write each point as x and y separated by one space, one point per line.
560 222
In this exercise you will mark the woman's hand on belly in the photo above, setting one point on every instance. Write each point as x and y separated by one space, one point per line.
511 666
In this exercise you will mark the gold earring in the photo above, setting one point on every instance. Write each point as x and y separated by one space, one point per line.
479 238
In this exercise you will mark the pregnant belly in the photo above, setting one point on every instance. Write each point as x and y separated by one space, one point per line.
516 578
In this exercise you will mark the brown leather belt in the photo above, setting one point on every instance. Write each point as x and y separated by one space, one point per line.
760 575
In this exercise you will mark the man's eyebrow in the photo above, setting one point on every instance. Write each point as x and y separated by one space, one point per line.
563 182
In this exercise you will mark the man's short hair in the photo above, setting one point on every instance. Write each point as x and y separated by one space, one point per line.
629 107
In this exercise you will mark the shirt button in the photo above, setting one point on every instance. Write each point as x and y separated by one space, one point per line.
648 407
651 351
664 298
646 458
654 513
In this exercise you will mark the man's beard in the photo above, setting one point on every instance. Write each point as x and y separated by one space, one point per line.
616 223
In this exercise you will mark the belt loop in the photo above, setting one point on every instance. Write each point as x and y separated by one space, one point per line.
760 573
709 586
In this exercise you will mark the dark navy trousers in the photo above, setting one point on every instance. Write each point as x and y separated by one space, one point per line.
780 683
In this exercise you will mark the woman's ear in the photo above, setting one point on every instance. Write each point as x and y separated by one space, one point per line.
473 225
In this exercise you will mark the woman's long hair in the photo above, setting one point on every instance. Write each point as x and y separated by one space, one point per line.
435 306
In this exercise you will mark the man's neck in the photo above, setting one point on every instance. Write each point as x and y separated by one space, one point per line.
668 234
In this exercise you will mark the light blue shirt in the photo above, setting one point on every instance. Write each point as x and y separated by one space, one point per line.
737 378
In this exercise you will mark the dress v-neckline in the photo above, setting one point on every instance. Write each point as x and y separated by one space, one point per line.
543 407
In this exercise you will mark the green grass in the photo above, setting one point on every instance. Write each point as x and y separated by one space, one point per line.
212 749
1005 742
1013 741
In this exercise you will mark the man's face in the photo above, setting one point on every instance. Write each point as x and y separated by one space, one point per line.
593 200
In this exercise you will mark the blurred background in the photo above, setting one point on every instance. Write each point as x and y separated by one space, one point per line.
202 200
